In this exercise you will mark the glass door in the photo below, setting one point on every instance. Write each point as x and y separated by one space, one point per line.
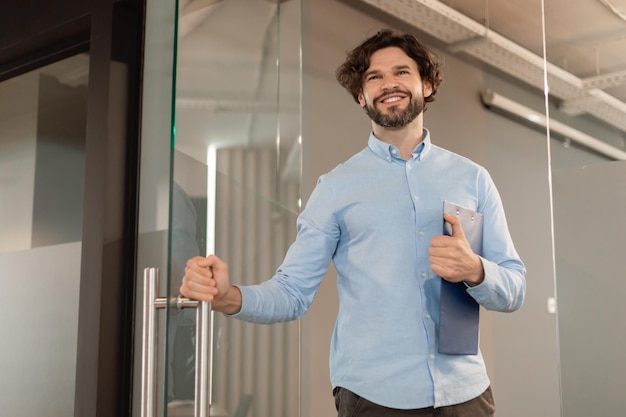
220 174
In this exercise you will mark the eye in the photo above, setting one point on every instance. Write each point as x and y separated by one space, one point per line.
372 77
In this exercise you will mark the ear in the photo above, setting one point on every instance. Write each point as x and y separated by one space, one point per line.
361 99
427 88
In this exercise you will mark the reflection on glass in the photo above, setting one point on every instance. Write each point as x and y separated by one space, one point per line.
42 142
236 192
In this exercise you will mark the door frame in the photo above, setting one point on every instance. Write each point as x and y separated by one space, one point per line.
35 33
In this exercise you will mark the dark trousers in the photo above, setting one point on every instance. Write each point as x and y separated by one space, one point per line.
351 405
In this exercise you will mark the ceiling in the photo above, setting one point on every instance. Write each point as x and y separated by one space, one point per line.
226 80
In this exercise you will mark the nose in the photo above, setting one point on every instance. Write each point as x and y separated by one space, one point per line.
390 83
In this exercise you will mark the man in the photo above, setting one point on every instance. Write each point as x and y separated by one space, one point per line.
379 218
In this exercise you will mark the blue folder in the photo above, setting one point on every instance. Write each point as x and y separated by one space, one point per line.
458 311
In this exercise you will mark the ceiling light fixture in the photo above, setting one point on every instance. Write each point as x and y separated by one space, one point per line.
498 102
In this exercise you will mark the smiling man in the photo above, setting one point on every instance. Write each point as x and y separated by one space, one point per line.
379 218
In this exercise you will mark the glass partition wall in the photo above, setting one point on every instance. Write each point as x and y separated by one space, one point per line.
221 174
585 48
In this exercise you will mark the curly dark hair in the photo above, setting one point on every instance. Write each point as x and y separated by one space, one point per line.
350 73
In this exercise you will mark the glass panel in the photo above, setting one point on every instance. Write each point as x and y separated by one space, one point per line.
586 47
42 142
154 185
236 192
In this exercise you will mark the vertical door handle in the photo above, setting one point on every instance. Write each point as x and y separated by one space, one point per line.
203 345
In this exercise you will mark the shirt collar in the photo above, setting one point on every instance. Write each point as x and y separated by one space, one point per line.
390 152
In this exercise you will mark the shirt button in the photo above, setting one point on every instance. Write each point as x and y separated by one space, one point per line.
423 274
420 233
432 356
416 198
427 316
394 151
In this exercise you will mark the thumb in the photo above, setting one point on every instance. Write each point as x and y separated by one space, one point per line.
455 222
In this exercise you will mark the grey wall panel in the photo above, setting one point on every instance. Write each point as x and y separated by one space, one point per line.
590 237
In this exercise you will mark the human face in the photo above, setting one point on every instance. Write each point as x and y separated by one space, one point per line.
393 91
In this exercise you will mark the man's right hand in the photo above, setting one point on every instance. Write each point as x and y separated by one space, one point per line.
206 279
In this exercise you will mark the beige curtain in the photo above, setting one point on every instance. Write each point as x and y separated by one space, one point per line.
256 366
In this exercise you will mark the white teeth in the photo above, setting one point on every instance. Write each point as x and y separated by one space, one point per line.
391 99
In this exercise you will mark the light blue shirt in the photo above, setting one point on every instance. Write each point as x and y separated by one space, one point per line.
374 217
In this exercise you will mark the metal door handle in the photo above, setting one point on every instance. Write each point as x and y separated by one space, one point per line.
203 345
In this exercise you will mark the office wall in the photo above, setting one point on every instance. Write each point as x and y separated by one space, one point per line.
591 288
520 348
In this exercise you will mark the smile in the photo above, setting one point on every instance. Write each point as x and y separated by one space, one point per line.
392 99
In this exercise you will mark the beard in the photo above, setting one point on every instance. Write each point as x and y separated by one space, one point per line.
395 116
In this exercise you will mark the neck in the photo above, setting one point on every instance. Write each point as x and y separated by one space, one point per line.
404 138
